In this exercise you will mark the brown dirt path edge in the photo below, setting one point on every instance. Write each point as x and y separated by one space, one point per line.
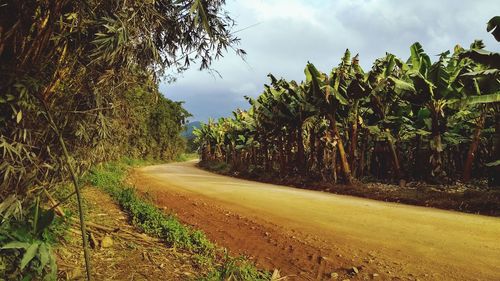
125 259
311 235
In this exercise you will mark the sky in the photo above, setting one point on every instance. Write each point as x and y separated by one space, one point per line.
283 35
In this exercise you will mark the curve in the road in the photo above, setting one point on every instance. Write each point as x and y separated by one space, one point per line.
417 242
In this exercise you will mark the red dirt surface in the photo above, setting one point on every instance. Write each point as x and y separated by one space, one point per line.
311 235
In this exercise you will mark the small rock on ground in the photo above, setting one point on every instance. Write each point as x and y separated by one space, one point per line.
107 242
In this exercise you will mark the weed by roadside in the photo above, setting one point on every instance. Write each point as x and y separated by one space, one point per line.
187 156
235 269
27 235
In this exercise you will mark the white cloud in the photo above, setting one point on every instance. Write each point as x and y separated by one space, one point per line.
277 10
292 32
245 89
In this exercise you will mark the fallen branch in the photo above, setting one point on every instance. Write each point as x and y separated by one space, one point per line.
117 229
56 206
93 228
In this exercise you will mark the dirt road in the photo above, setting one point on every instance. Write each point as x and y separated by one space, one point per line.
310 235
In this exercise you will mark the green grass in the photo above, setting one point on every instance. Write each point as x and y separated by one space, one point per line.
146 216
235 269
217 166
187 156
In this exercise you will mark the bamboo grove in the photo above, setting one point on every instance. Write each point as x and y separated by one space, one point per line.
401 120
94 67
79 85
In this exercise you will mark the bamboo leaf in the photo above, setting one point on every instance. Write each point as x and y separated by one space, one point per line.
201 14
19 116
493 164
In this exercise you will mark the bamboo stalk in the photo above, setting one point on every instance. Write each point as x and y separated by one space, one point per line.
77 191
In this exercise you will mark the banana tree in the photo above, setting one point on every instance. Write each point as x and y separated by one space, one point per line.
328 94
209 138
270 134
242 139
486 72
423 109
295 105
201 140
432 85
355 92
482 96
386 105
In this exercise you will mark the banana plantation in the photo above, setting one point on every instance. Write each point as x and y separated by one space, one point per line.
406 120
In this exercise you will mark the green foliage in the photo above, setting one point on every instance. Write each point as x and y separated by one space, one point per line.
26 239
419 120
144 214
494 27
95 67
236 269
217 166
86 74
484 99
187 157
154 222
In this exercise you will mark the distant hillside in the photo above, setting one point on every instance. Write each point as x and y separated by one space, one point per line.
188 133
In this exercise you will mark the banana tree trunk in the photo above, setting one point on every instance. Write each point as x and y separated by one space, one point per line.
495 171
395 159
254 156
334 164
363 156
418 167
289 154
312 150
282 148
436 145
266 156
233 157
300 160
354 139
472 149
320 156
209 152
343 157
375 162
436 159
